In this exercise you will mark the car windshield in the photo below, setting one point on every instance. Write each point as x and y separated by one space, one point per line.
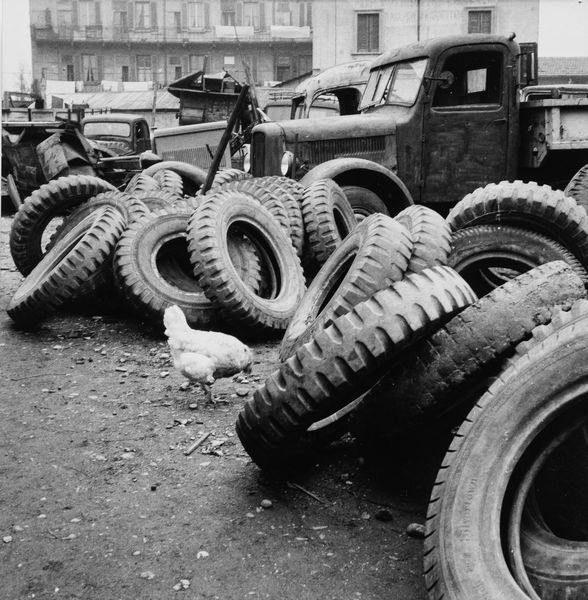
398 83
107 128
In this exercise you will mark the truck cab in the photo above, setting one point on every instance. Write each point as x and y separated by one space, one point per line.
119 132
440 117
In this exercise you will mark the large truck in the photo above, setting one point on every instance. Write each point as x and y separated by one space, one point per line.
438 119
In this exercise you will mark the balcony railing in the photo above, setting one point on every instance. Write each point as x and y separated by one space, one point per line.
159 35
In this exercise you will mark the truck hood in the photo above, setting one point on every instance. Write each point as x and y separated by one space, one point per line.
345 127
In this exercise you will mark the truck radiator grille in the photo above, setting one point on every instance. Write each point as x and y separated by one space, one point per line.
319 151
193 156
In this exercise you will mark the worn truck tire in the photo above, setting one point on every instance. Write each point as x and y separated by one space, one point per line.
68 267
529 206
129 206
440 378
431 236
373 256
328 218
541 394
577 188
142 183
233 212
487 256
329 373
157 201
262 188
170 181
33 216
364 202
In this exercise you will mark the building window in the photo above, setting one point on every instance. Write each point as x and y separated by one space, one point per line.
197 15
368 32
143 15
283 68
228 12
89 67
86 13
196 62
69 72
479 21
124 76
144 67
283 15
305 16
177 73
304 64
251 14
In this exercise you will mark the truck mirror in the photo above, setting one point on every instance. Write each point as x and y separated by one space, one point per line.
446 79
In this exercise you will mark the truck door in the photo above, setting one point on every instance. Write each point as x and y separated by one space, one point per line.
466 124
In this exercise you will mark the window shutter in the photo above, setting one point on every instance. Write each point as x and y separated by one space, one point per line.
77 67
154 67
131 14
184 15
207 15
185 65
74 14
362 37
99 75
98 15
261 15
154 15
301 14
239 18
309 14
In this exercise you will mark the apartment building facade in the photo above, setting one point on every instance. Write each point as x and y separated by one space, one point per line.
91 41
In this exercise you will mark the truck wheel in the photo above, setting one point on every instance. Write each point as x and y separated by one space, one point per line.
431 236
328 218
262 187
235 213
364 202
314 389
66 268
577 188
130 207
192 177
33 216
295 188
142 183
373 256
542 394
224 176
487 256
170 181
157 200
440 378
529 206
153 270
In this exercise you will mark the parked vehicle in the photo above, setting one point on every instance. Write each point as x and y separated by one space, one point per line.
438 119
119 132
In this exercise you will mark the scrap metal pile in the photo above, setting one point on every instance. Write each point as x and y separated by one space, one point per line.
400 331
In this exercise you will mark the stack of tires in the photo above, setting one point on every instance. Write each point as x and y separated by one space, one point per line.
476 328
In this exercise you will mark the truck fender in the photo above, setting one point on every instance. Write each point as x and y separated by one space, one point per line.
355 174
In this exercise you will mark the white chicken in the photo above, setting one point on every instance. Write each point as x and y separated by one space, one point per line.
203 356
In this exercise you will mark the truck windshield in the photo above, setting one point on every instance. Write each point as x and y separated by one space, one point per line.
103 128
398 83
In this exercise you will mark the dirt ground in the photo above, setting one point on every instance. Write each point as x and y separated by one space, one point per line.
99 501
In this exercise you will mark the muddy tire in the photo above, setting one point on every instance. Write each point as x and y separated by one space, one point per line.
68 267
373 256
529 206
131 208
142 183
541 395
313 389
153 271
169 181
577 188
440 378
487 256
431 237
328 218
273 186
364 202
232 213
50 200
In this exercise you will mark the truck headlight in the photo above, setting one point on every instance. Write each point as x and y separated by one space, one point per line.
287 164
247 158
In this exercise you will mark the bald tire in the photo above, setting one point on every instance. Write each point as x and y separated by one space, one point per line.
577 188
373 256
50 200
207 233
69 266
312 391
529 206
275 187
328 218
464 547
486 256
441 377
431 236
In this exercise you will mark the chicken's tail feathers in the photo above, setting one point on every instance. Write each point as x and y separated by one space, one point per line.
174 319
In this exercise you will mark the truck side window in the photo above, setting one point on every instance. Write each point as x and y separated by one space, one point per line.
478 80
